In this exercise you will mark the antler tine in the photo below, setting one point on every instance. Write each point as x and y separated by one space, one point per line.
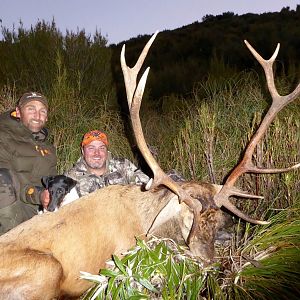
267 66
246 165
134 99
130 74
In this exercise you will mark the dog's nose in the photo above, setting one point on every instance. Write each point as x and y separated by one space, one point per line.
51 208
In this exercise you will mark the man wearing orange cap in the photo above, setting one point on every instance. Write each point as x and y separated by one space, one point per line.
97 168
25 157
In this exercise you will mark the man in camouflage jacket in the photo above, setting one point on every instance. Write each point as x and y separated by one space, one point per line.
97 168
25 156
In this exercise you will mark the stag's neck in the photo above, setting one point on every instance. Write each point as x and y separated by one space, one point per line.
150 205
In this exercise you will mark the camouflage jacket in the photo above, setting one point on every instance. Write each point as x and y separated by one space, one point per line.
120 171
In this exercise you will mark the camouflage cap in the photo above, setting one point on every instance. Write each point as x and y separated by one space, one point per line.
31 96
94 135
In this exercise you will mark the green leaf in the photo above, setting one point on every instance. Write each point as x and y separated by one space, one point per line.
111 286
108 273
120 265
146 283
138 297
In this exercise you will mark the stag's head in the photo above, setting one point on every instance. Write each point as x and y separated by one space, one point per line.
201 223
201 203
184 225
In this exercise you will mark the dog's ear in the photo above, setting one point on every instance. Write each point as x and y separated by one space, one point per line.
46 180
70 183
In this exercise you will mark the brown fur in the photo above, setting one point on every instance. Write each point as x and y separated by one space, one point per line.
44 256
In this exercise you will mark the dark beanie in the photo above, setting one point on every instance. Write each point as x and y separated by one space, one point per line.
31 96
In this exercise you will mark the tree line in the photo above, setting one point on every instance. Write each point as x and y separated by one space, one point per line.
40 57
214 47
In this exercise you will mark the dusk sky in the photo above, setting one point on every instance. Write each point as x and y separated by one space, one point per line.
120 20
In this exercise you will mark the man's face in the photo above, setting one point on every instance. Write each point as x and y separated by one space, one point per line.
95 155
33 115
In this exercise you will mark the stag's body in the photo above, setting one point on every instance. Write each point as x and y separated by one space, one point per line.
44 256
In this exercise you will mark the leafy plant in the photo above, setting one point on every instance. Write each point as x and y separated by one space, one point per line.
262 263
158 269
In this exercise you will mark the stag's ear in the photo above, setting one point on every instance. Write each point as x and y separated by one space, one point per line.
171 209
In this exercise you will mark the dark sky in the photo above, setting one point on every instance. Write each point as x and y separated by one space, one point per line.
119 20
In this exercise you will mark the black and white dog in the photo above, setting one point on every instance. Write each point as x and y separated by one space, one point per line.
61 189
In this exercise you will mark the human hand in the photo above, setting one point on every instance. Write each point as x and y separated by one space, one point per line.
45 198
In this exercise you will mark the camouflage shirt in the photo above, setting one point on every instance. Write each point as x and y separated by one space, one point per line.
119 171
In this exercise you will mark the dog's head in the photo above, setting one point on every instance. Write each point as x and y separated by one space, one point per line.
58 186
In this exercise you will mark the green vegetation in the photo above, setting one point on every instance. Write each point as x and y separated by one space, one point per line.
153 269
263 263
199 125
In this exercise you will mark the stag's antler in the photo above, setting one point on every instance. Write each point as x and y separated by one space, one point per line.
134 94
246 165
134 98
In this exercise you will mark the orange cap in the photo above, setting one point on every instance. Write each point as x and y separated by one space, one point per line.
94 135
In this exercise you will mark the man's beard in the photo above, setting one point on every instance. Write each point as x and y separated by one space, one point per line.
35 125
96 164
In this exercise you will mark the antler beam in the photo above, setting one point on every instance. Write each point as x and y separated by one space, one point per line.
134 94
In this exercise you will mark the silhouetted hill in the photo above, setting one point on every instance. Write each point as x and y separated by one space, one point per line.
182 57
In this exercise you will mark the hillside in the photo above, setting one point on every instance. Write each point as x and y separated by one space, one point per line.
43 59
182 57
